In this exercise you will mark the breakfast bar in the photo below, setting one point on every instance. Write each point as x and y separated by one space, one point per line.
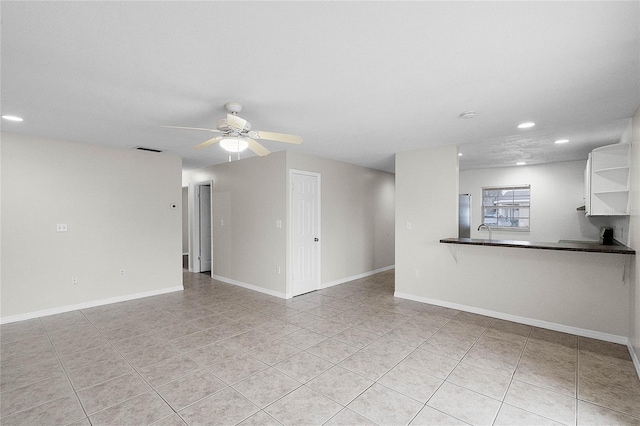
562 245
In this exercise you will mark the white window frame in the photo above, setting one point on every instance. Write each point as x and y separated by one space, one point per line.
511 208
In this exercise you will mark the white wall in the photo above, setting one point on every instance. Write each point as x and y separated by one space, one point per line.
357 216
557 189
578 292
249 196
116 204
634 239
427 199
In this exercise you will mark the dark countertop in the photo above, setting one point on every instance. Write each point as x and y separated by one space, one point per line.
562 245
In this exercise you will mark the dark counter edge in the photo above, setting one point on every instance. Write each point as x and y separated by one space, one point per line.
617 248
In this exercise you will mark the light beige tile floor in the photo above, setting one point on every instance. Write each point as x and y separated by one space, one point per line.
347 355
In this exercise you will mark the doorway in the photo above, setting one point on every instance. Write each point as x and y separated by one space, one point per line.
305 232
201 244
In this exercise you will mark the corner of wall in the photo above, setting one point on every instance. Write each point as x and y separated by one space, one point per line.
426 211
248 199
634 241
357 216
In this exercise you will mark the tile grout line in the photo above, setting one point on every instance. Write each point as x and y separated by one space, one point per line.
513 375
398 363
445 379
182 352
132 367
202 367
578 400
577 390
460 362
64 369
301 384
57 358
293 378
231 385
334 365
541 387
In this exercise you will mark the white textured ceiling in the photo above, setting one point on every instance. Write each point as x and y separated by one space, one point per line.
359 81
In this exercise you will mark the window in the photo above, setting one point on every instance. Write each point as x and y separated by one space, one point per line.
506 207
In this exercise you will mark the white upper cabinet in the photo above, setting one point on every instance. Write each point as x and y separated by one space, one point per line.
607 181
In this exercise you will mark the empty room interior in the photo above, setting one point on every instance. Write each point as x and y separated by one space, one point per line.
320 213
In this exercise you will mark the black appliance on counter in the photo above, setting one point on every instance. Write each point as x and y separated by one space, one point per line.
606 236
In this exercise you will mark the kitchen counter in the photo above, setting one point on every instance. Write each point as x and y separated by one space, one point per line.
566 245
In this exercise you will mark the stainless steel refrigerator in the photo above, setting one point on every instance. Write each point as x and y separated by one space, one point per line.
464 216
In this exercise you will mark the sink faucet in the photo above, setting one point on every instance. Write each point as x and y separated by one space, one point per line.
484 225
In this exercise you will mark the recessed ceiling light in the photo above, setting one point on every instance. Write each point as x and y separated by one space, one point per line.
459 154
12 118
468 114
562 141
526 125
520 163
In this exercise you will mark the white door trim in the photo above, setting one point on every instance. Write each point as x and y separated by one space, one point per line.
194 220
290 226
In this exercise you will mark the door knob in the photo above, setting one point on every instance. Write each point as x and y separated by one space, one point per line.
316 240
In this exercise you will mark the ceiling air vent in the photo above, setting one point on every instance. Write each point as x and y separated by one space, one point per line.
142 148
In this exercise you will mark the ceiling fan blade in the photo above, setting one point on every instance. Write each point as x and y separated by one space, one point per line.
257 148
192 128
236 122
209 142
280 137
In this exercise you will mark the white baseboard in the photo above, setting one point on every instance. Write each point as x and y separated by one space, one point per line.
250 286
86 305
288 295
623 340
356 277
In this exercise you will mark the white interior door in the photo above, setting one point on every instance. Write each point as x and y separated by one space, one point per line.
204 209
305 232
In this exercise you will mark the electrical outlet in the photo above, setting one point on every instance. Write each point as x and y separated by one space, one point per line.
277 270
408 225
122 272
61 227
415 272
74 280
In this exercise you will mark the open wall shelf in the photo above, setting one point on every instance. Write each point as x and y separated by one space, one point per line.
607 181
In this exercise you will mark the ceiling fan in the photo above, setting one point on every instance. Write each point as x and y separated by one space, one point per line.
237 134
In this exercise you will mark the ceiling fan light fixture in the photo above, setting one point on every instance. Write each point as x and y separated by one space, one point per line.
234 144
